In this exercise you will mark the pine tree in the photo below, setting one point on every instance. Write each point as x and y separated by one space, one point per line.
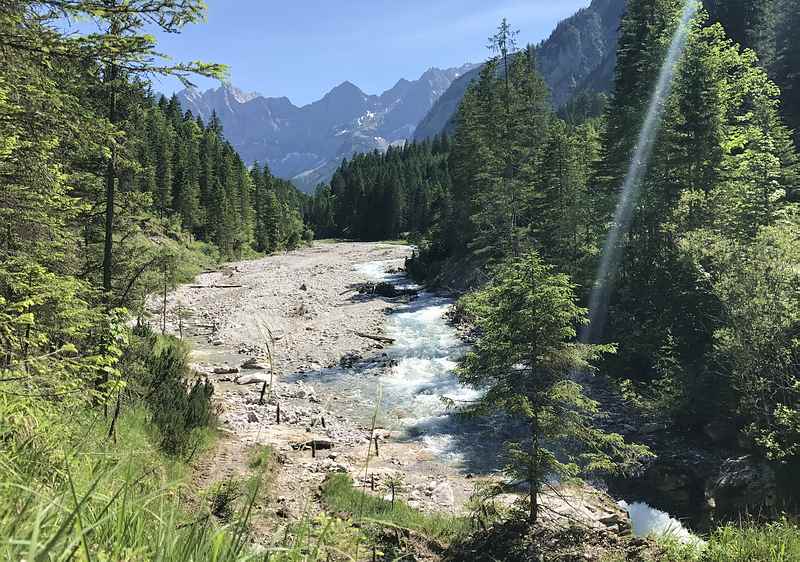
164 175
524 360
787 65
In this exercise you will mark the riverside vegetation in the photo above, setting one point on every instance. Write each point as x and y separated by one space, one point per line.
110 195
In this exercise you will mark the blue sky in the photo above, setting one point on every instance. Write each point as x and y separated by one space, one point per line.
301 49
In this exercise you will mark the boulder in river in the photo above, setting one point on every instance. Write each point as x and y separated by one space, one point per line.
349 360
385 289
743 485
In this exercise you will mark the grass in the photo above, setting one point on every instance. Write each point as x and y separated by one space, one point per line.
340 496
262 457
125 501
773 542
115 502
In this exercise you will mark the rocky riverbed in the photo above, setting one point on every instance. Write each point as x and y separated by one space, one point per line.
340 355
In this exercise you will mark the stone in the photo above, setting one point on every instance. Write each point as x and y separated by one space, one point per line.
743 485
442 494
252 379
652 427
301 391
252 417
225 370
721 432
349 360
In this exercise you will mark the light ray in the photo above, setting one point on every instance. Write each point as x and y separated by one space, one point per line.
631 187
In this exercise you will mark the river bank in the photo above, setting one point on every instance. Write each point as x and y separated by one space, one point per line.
331 382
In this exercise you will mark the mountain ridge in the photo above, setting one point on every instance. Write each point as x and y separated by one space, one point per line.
578 56
306 143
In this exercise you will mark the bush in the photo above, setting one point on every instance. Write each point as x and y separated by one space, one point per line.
222 498
178 408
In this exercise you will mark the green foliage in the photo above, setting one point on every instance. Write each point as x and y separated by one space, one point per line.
340 495
526 360
378 196
756 344
497 147
723 168
178 406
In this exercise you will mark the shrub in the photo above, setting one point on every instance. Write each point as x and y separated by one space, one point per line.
178 408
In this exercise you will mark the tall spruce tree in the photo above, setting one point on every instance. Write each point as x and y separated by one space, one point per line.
524 360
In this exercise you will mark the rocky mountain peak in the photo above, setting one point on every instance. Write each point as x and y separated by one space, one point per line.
307 143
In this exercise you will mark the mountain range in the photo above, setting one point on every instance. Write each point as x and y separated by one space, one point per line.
306 144
579 56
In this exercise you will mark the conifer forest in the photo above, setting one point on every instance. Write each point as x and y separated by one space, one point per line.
564 326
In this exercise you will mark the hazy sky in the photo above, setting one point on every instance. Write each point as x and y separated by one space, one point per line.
302 48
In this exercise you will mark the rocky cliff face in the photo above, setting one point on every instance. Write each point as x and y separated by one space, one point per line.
578 56
307 143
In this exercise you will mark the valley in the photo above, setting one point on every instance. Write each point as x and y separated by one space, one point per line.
540 308
348 392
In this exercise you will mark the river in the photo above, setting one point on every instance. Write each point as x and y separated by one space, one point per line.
417 394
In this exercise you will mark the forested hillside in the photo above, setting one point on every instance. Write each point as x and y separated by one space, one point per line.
107 196
377 196
704 314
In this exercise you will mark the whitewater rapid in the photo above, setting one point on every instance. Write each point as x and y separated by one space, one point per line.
418 394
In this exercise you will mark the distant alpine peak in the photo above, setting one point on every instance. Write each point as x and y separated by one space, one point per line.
347 85
307 143
346 88
239 95
224 91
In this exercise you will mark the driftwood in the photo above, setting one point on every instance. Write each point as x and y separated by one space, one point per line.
381 339
314 444
250 379
385 289
216 286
